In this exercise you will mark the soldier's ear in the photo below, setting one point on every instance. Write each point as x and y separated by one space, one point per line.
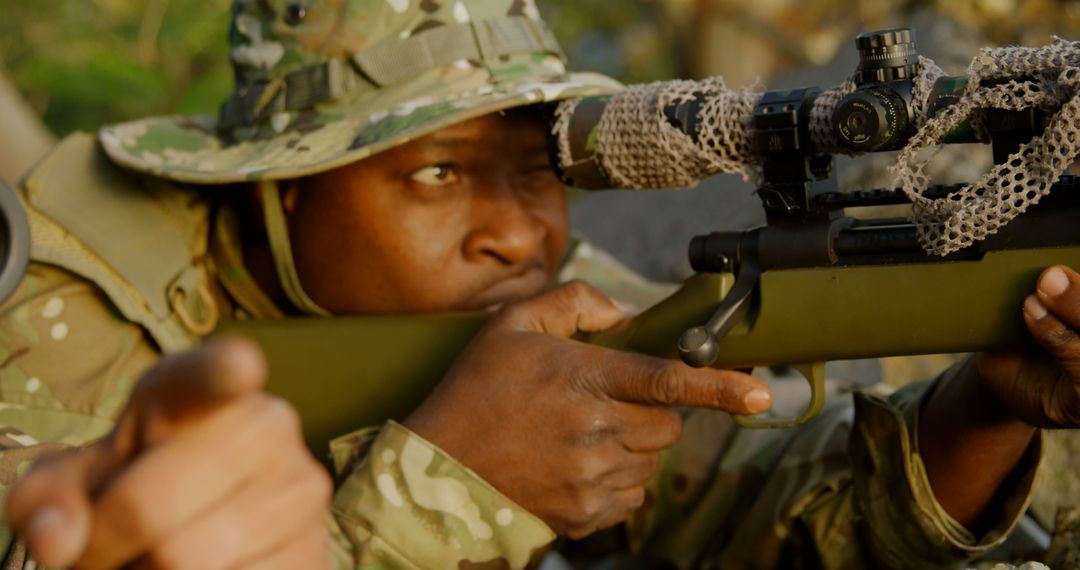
290 191
287 189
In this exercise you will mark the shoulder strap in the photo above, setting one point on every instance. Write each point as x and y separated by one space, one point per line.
144 246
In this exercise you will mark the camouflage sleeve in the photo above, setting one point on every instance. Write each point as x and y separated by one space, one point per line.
404 503
891 485
847 490
67 364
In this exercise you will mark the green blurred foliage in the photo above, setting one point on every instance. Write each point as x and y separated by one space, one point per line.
633 40
82 63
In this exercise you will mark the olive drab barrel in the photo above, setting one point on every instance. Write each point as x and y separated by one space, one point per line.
14 241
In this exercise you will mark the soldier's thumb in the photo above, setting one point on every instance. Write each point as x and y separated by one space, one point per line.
186 386
569 309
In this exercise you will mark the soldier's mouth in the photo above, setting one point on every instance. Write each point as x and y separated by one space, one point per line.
523 284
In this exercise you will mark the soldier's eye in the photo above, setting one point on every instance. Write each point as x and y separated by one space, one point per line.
436 175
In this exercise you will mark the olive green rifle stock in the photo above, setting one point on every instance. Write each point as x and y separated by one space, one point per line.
346 373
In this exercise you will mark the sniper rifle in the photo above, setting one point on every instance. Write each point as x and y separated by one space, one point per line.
817 283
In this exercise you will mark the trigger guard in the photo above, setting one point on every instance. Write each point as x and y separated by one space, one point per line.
814 374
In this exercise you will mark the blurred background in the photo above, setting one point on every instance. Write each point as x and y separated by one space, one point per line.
75 64
69 65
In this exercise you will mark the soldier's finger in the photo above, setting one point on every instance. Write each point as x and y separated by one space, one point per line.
635 471
261 518
178 390
572 308
622 504
50 507
198 380
1059 339
173 482
657 381
641 428
1058 290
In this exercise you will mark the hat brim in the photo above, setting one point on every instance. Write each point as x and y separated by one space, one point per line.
191 150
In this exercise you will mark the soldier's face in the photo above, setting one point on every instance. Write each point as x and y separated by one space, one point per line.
466 218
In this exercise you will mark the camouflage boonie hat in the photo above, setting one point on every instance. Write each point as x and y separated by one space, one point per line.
322 83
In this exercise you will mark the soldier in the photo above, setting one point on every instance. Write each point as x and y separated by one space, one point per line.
388 156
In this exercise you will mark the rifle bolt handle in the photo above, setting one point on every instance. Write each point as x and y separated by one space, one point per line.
698 347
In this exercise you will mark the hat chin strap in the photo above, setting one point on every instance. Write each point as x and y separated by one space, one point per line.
278 234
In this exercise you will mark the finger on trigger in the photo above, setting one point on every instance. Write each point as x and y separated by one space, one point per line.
650 380
210 375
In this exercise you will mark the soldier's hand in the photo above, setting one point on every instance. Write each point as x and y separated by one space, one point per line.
1042 387
569 431
203 470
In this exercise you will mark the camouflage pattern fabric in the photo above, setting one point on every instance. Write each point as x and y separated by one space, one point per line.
280 56
412 506
1065 548
724 497
68 363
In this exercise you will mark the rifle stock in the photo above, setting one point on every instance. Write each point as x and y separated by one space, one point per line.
346 373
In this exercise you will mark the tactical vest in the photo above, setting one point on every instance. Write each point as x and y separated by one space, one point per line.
142 240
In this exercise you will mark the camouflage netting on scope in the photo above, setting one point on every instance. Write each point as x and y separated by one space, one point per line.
980 209
638 148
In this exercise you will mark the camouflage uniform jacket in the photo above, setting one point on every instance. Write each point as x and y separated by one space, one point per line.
847 490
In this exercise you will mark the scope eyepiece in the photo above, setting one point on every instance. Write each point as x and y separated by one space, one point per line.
872 119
